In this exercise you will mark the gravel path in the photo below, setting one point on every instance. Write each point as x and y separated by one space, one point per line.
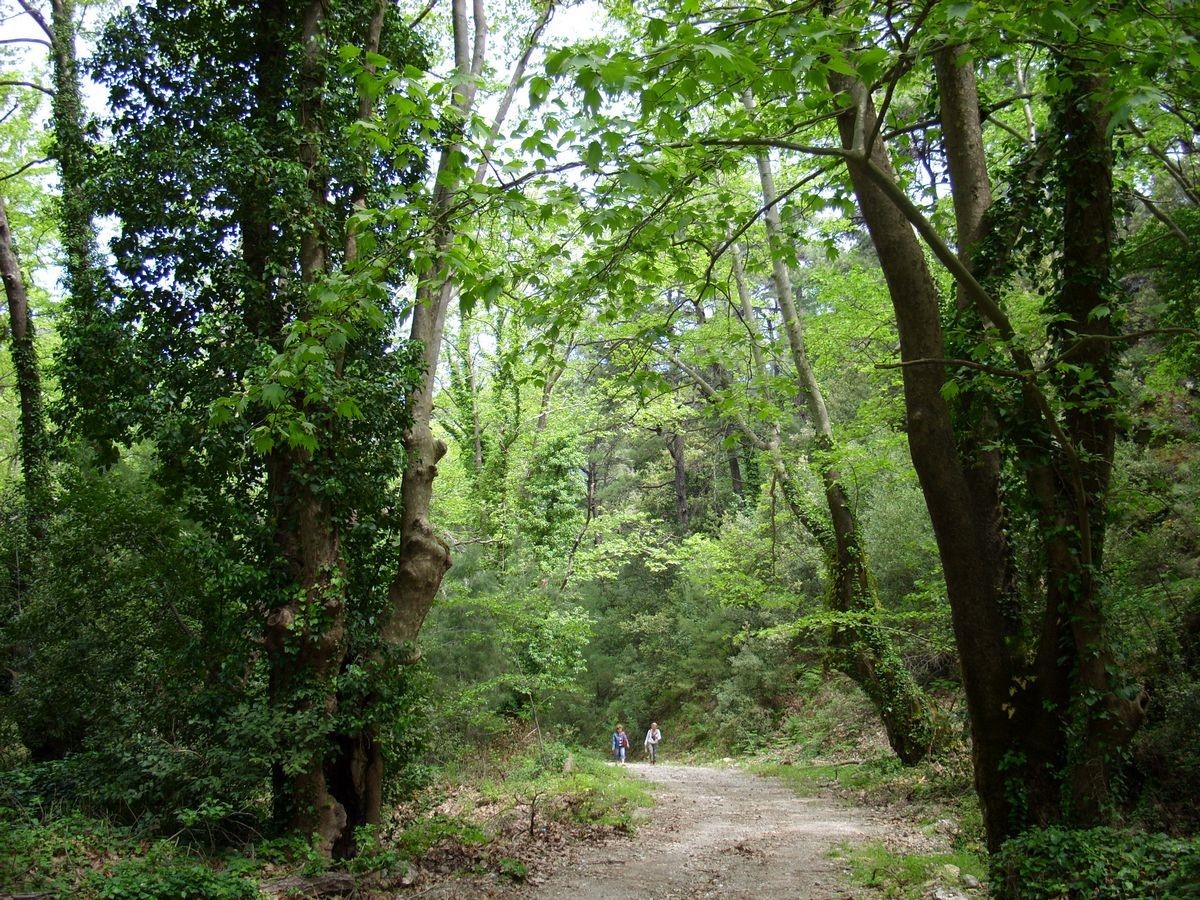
719 833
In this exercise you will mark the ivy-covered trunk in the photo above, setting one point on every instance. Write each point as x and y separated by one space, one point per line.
90 360
860 648
1049 707
305 642
34 466
1084 695
978 625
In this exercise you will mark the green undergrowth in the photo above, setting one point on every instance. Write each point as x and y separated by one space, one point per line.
1102 863
580 786
76 856
472 820
833 745
909 875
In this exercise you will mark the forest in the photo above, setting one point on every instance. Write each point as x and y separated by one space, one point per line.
397 396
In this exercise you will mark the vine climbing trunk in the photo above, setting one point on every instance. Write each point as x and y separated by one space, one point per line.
305 636
90 338
1049 707
979 627
860 647
34 466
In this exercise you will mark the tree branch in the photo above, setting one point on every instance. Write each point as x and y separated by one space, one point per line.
714 396
28 165
36 14
964 363
422 14
513 83
1165 219
12 82
44 43
745 226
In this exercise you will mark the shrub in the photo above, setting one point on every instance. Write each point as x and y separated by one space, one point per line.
181 879
1103 863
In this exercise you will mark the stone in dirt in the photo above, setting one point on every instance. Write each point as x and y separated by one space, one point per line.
945 893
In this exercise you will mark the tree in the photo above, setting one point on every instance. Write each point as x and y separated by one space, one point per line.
33 450
1046 694
258 299
1060 715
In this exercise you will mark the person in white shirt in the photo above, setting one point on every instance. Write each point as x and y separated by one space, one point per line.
653 736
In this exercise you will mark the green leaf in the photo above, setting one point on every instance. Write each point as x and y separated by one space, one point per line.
593 155
348 409
273 394
539 89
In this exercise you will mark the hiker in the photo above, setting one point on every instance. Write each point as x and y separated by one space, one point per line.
620 743
653 736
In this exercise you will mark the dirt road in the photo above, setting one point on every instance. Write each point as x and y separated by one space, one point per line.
719 833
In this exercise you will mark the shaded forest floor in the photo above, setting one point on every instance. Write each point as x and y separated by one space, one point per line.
836 816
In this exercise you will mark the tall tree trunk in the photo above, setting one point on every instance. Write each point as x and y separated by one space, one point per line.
424 557
1083 335
305 637
979 627
90 339
972 196
720 378
861 649
736 482
34 468
305 640
1030 726
675 447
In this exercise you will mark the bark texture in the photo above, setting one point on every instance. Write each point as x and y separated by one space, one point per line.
424 557
675 446
305 638
1048 710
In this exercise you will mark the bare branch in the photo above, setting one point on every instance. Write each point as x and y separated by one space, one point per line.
810 149
422 14
28 165
43 43
963 363
513 83
713 396
12 82
1165 219
36 14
